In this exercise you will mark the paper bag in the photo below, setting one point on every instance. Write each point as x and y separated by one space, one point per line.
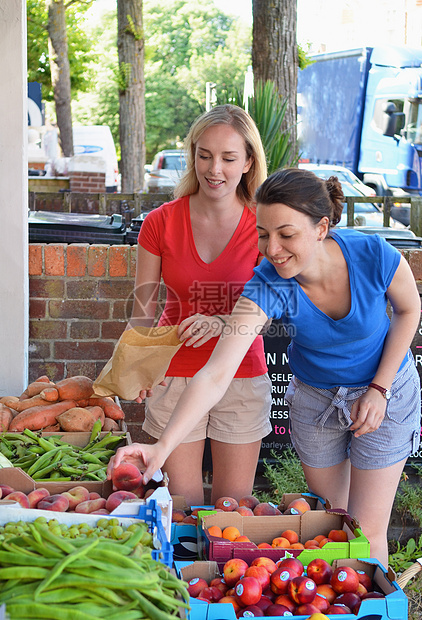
140 361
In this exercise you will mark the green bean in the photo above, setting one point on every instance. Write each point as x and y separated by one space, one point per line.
151 610
23 611
42 461
60 566
15 572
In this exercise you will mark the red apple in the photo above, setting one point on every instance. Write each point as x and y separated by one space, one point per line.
372 595
350 599
212 594
320 571
305 609
196 585
338 609
264 602
302 590
219 583
280 578
260 573
365 580
321 602
233 570
293 563
248 591
344 579
251 611
277 610
284 599
267 563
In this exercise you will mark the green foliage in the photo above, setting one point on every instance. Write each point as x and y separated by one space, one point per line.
123 75
284 475
137 33
405 555
79 45
408 500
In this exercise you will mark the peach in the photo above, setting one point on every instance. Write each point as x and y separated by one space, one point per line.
178 515
36 495
267 563
260 573
91 505
291 535
233 570
327 592
19 497
56 502
76 495
148 493
264 509
264 545
94 495
242 538
228 504
244 511
101 511
116 498
140 491
232 600
297 507
6 490
280 541
231 532
190 520
126 477
338 535
249 501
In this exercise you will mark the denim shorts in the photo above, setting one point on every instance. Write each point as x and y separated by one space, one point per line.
241 416
320 421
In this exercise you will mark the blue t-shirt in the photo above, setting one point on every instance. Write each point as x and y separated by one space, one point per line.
324 352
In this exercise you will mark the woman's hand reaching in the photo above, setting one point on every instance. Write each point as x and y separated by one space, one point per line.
199 328
148 458
147 393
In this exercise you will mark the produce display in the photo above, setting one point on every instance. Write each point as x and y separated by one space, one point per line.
49 570
286 587
51 458
247 506
69 405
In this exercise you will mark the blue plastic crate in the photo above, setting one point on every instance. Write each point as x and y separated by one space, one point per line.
151 514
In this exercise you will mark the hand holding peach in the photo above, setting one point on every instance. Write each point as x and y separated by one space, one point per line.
148 458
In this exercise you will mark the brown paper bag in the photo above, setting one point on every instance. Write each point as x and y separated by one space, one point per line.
140 361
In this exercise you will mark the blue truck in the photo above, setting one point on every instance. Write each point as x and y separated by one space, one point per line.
362 108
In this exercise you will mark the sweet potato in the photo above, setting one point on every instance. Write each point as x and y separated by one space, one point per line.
110 425
34 388
77 419
43 378
9 401
6 416
111 408
52 429
39 417
98 412
28 403
50 393
75 388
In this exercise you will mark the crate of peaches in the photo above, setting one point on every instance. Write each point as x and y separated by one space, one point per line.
356 589
299 532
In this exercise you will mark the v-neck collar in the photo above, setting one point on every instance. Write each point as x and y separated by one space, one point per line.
221 257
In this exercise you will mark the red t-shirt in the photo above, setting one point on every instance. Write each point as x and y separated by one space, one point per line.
195 286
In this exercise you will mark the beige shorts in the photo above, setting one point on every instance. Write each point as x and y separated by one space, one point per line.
241 416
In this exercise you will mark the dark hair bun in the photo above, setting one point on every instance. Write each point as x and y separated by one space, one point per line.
335 192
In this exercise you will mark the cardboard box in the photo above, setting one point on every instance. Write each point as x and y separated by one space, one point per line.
393 607
265 529
184 536
150 513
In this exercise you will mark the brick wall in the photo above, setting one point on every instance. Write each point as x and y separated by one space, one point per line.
90 182
80 301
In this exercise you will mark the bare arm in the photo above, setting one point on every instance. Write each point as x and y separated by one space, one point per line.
205 389
368 412
145 292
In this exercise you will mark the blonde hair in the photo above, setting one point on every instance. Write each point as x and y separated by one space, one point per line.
241 122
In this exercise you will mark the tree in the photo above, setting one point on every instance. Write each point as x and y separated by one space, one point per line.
130 45
58 56
275 52
60 73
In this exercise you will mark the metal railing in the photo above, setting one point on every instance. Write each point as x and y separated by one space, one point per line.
387 202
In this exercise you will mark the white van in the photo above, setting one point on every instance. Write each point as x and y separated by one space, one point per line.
97 140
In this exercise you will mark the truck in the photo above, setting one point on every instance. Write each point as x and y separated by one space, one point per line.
362 109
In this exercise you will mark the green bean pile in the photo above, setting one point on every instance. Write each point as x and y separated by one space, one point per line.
51 458
66 576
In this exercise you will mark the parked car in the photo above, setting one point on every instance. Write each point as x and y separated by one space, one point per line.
344 174
165 170
368 216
